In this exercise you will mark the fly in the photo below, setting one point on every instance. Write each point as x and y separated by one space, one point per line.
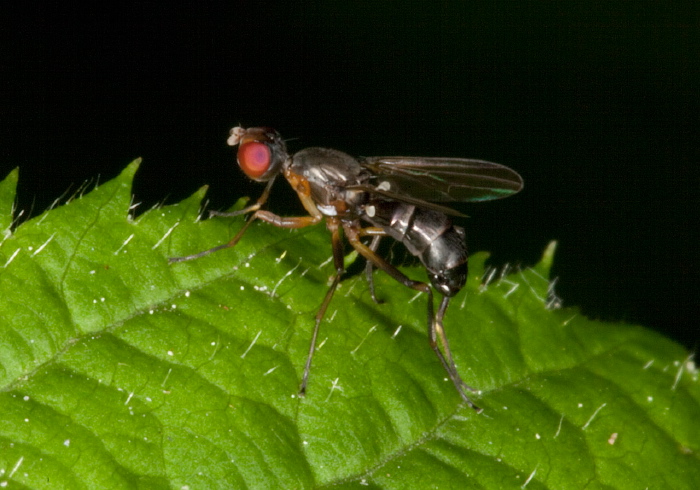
376 197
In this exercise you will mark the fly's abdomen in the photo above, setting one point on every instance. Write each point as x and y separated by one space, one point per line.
430 236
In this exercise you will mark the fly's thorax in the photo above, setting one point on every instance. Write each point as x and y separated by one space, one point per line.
346 204
328 173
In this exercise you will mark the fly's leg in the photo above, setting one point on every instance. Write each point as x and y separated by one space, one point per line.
369 268
435 327
249 209
232 243
266 216
377 234
436 331
332 224
255 207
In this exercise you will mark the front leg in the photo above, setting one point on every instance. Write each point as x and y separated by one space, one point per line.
284 221
266 216
249 209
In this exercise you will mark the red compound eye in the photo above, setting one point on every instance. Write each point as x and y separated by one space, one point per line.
254 158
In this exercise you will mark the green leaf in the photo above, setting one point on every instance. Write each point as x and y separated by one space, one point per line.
8 187
120 370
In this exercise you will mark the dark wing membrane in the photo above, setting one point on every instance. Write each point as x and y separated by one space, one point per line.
407 199
443 179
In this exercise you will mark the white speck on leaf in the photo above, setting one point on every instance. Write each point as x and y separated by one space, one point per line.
269 371
364 338
585 426
289 273
334 386
12 257
124 244
167 234
166 377
561 420
686 364
16 467
511 290
251 345
529 478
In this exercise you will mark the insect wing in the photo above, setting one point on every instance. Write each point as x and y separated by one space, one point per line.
393 196
443 179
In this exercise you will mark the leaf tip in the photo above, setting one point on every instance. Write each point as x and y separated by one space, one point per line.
131 169
548 255
13 176
8 191
8 186
545 264
199 195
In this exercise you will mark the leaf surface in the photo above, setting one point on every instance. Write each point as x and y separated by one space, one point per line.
120 370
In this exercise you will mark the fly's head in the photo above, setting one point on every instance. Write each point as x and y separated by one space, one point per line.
261 152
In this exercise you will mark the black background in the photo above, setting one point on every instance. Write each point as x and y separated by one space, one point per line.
596 104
